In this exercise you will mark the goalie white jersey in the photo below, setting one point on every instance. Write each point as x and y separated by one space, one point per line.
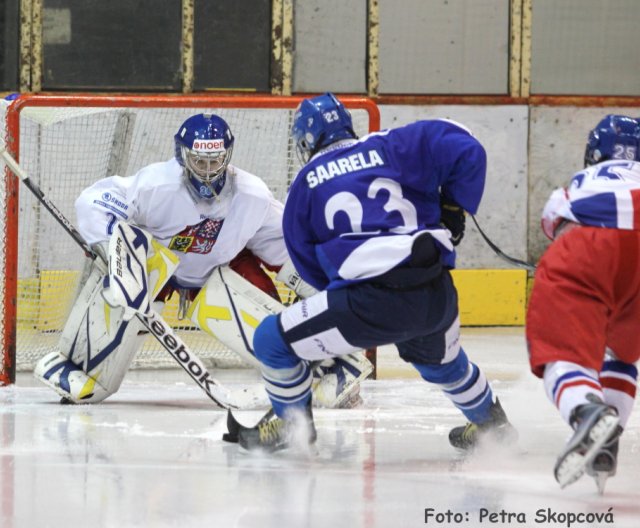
204 234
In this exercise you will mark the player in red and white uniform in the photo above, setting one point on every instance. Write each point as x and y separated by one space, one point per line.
208 212
582 319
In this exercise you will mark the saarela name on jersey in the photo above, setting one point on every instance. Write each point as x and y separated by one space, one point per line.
355 162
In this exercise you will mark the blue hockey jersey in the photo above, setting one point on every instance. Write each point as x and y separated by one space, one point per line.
354 210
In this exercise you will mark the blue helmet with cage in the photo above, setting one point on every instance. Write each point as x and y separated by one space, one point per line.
204 144
615 137
319 122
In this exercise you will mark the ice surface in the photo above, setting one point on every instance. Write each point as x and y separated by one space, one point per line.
152 456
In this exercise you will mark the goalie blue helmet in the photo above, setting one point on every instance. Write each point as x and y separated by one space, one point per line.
319 122
615 137
204 144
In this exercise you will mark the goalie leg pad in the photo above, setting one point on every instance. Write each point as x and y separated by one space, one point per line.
336 382
68 379
230 308
93 367
98 339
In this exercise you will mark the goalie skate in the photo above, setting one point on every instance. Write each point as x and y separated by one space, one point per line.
596 426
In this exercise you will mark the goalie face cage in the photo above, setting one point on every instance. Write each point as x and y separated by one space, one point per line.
65 143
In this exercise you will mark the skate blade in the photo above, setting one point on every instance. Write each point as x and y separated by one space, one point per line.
574 464
571 469
601 480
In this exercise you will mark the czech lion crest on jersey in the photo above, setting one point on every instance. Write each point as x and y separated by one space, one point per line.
199 238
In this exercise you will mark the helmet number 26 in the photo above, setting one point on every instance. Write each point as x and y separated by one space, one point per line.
624 152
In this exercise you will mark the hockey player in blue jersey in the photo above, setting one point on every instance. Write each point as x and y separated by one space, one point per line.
372 223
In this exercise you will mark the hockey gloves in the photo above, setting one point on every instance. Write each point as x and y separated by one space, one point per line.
452 217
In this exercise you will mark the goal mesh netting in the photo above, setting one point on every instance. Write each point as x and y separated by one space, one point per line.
65 143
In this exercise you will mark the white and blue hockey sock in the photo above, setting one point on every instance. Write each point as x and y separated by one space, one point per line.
471 394
287 378
464 384
288 388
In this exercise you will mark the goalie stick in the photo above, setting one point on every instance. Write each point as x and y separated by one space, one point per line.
156 325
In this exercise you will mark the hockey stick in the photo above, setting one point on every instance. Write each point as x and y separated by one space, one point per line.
500 253
234 426
158 327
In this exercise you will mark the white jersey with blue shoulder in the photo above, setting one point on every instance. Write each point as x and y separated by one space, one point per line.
204 234
602 195
355 208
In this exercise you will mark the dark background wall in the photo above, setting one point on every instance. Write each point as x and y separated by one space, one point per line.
118 44
232 44
385 48
9 44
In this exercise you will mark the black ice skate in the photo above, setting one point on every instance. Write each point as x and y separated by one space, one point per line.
593 447
274 434
497 430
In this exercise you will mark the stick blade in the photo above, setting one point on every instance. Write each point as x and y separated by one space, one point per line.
233 428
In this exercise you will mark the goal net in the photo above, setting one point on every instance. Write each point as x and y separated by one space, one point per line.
64 144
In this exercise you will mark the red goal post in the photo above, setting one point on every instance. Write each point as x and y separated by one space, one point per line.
64 143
